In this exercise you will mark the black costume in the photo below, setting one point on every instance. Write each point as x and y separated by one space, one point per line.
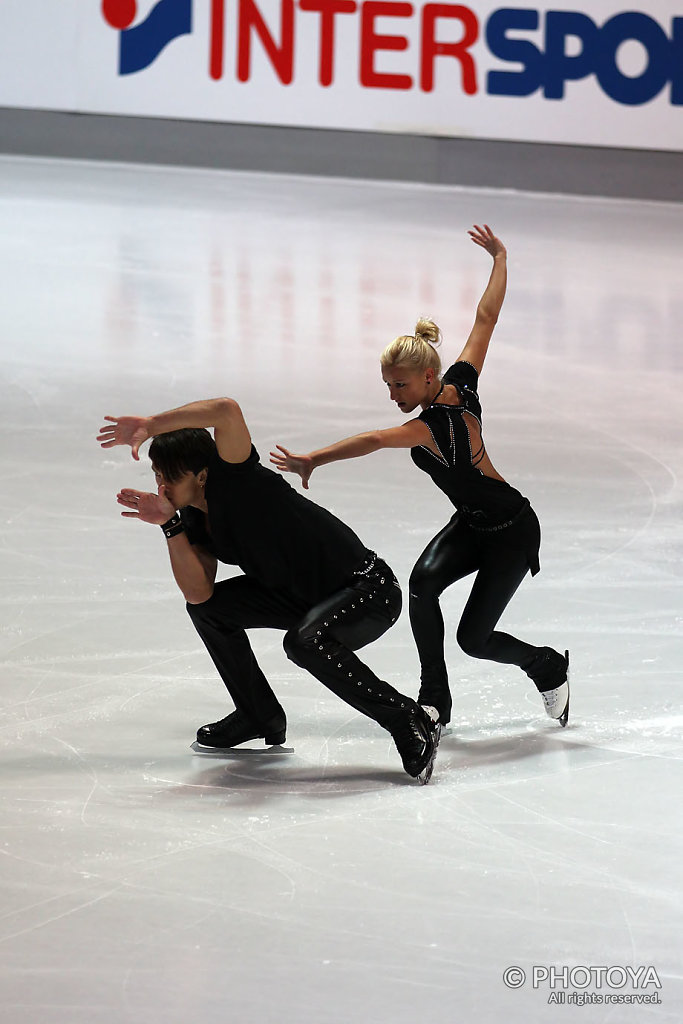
494 533
306 572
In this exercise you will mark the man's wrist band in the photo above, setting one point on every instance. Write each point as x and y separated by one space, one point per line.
173 527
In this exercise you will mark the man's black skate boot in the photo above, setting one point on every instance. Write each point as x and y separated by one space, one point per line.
416 735
237 728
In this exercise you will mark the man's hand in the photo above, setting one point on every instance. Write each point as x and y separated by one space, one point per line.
289 463
130 430
146 506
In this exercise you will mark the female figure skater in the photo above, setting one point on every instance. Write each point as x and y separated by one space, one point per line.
494 532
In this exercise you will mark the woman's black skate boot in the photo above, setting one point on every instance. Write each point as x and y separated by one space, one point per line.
439 698
550 673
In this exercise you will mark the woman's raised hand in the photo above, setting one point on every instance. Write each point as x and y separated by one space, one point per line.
130 430
289 463
487 240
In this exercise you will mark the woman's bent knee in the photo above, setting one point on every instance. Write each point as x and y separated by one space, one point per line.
471 644
423 585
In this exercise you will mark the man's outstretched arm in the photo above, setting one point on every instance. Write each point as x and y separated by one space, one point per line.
223 414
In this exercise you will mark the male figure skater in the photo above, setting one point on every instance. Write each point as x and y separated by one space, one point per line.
305 571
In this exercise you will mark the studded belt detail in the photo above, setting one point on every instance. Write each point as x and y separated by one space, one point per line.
500 526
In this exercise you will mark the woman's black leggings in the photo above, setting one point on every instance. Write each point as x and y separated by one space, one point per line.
501 560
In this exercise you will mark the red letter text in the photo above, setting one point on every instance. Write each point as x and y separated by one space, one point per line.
432 49
327 9
370 42
281 57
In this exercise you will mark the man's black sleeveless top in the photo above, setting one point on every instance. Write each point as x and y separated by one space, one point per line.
275 535
483 502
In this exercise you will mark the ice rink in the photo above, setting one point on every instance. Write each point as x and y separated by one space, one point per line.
141 883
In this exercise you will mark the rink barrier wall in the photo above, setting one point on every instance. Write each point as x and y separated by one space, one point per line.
523 166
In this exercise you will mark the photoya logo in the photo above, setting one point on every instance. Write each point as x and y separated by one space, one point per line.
632 56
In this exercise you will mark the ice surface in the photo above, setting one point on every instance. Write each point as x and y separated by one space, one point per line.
142 883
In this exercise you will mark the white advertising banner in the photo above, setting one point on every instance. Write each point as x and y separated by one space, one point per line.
604 72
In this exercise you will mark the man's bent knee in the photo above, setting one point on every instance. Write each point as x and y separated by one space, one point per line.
197 612
296 645
211 613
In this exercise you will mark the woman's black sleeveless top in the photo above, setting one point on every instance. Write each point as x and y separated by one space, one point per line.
483 502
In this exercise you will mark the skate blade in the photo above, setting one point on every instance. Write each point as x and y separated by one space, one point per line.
564 717
240 753
426 773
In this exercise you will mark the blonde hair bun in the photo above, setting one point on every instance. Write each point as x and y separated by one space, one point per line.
415 352
428 331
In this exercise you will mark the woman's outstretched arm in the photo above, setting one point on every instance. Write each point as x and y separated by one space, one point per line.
491 301
406 436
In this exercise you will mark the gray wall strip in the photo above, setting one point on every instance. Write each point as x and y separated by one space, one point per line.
581 170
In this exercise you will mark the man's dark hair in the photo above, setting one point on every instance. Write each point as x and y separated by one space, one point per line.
181 451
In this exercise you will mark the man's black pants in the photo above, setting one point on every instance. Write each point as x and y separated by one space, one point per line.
321 639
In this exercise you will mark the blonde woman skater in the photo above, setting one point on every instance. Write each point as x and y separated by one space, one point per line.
494 532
